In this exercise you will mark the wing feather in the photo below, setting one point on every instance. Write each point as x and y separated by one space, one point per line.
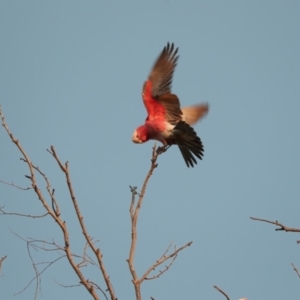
162 72
189 143
172 111
157 97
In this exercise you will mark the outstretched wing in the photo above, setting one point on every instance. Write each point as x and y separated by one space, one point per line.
162 72
157 97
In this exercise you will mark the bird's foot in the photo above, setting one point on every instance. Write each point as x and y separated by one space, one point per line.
162 149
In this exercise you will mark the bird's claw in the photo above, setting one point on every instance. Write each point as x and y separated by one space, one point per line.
162 149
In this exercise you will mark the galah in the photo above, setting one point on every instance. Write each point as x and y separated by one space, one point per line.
166 121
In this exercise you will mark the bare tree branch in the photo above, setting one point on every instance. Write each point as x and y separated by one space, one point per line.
16 186
54 213
3 212
50 246
162 259
38 273
222 292
34 244
134 214
282 227
97 251
77 262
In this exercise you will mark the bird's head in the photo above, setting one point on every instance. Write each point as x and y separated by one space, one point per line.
140 135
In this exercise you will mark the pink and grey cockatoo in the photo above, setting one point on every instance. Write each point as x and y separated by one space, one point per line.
166 121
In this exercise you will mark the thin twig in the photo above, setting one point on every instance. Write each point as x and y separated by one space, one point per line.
296 270
2 212
31 243
282 227
16 186
67 286
49 246
161 261
222 292
38 273
1 261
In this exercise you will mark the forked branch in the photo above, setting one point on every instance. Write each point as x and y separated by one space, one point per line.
54 211
134 214
162 259
280 225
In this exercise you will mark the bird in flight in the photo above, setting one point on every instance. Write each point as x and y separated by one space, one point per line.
166 121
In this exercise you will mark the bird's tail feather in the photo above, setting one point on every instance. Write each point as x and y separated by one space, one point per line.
194 113
188 142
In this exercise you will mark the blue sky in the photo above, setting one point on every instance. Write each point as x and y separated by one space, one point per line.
71 74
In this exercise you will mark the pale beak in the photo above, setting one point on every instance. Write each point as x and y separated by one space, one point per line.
135 138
